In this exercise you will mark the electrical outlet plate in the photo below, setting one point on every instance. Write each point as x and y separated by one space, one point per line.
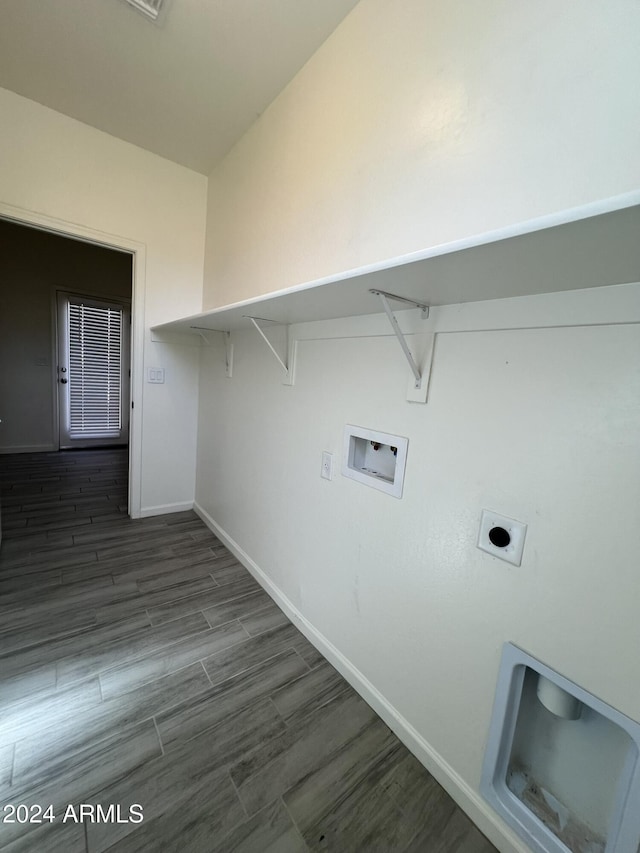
326 471
502 537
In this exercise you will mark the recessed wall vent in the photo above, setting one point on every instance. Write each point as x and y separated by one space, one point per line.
151 9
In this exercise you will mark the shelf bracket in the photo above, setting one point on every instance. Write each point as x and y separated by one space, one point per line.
228 355
254 320
228 346
290 346
203 334
384 298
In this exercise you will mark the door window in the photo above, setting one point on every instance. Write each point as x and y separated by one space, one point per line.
92 371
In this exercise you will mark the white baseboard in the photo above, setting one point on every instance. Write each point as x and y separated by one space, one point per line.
29 448
469 800
165 509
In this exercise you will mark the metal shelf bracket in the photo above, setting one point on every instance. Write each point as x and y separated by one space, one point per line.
291 346
228 346
384 298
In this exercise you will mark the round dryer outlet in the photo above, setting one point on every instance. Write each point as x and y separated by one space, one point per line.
501 536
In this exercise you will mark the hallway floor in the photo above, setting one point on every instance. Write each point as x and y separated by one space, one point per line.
140 663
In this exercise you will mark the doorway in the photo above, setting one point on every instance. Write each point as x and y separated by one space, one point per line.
39 261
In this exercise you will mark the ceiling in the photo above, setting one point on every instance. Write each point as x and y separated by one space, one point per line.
186 89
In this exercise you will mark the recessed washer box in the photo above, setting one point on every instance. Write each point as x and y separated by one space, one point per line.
561 767
377 459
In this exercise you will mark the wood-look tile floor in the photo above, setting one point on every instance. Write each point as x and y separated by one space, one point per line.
140 663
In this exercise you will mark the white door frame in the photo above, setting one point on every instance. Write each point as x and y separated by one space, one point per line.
138 283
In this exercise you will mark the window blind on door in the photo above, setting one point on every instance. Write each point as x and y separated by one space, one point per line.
95 352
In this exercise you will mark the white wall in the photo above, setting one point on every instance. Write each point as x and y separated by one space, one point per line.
538 424
54 167
33 265
419 123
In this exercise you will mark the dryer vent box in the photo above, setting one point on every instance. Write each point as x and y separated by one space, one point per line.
561 767
376 459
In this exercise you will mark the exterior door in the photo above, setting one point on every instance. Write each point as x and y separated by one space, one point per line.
93 370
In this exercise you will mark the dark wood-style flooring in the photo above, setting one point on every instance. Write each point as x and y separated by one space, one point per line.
140 663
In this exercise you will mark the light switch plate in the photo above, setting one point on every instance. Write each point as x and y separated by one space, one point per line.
155 375
501 536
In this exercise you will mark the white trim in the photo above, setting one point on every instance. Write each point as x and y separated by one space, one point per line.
165 509
55 397
35 219
469 800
